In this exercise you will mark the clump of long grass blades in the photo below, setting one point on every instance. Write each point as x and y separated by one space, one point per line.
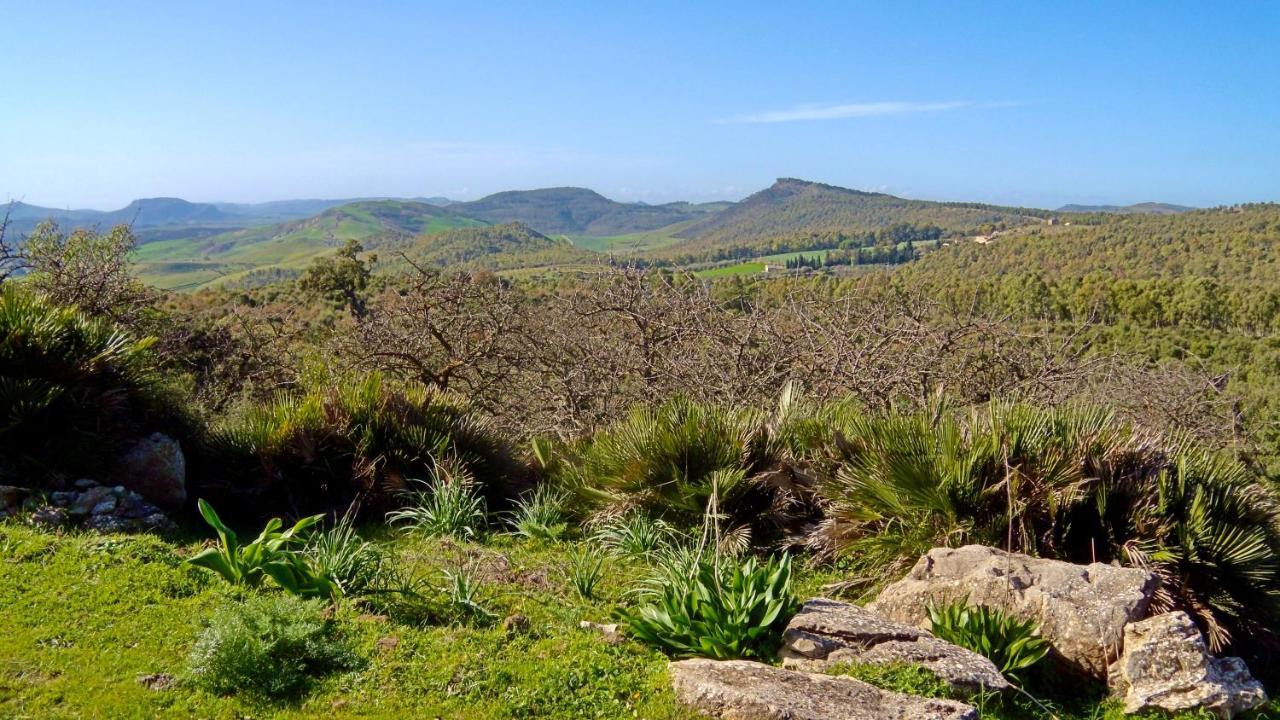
446 505
634 534
339 553
464 593
539 514
586 566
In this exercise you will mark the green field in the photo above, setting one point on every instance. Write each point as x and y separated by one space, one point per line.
192 263
756 266
634 242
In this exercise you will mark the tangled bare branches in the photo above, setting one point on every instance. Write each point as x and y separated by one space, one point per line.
568 359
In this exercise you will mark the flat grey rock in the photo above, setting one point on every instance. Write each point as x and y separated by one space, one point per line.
745 690
827 632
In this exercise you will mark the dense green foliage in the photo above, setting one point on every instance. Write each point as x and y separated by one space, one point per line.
73 390
272 647
669 460
339 440
1070 484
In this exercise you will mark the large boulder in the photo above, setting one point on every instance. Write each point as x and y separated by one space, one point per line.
826 632
1166 666
744 690
1081 609
155 469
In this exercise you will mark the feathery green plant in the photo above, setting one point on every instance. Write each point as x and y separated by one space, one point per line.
270 647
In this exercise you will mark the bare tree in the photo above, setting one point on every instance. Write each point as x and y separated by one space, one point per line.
12 260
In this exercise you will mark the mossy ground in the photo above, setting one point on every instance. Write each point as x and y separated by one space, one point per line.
84 616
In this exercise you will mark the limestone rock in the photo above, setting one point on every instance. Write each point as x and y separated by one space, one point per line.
744 690
826 632
1082 609
1166 666
609 632
155 469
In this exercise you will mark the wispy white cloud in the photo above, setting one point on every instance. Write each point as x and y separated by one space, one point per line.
852 110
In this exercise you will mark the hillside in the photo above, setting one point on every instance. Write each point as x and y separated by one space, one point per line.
1147 208
493 247
578 211
798 206
1234 246
188 263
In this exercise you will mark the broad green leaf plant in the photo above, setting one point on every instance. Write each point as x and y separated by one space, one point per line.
276 554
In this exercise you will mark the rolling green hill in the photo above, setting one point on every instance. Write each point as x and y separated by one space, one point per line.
189 263
579 212
492 247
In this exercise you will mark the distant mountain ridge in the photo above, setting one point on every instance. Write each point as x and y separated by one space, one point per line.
576 211
791 206
144 212
1146 208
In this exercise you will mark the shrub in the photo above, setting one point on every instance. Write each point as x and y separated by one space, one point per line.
1067 483
539 514
1013 645
446 505
727 609
670 459
274 553
73 390
272 647
339 439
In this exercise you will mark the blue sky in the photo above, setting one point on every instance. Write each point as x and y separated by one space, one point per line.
1033 103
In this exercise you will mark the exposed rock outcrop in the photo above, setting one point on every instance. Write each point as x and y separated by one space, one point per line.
1082 609
1166 666
826 632
101 508
744 690
156 469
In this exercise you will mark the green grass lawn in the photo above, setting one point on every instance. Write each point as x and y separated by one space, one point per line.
85 616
